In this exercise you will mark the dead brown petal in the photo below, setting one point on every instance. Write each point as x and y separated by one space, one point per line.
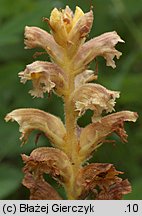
33 119
115 191
39 188
45 76
101 179
96 133
50 161
103 45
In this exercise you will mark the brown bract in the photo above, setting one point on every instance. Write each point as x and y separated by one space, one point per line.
78 33
85 77
115 191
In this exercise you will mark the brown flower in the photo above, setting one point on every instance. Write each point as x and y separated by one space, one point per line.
102 180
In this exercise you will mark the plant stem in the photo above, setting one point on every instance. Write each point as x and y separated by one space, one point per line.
71 138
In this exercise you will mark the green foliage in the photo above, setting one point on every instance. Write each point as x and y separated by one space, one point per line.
137 187
10 179
123 16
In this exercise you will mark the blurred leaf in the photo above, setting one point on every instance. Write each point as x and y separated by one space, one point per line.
10 178
12 29
136 191
132 90
131 9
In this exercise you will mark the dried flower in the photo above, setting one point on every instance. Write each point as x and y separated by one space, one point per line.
104 176
68 76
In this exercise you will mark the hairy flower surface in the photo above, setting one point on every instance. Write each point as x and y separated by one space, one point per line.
104 176
94 97
39 188
36 37
103 45
95 134
50 160
30 119
69 76
45 76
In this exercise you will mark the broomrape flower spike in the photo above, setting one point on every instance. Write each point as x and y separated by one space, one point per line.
68 76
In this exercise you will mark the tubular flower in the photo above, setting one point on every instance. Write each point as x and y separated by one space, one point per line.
94 97
69 76
45 76
36 37
31 119
95 134
50 160
103 45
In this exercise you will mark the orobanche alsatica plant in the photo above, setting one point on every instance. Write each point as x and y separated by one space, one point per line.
69 77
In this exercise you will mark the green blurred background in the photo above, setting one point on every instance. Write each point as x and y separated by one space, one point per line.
124 16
